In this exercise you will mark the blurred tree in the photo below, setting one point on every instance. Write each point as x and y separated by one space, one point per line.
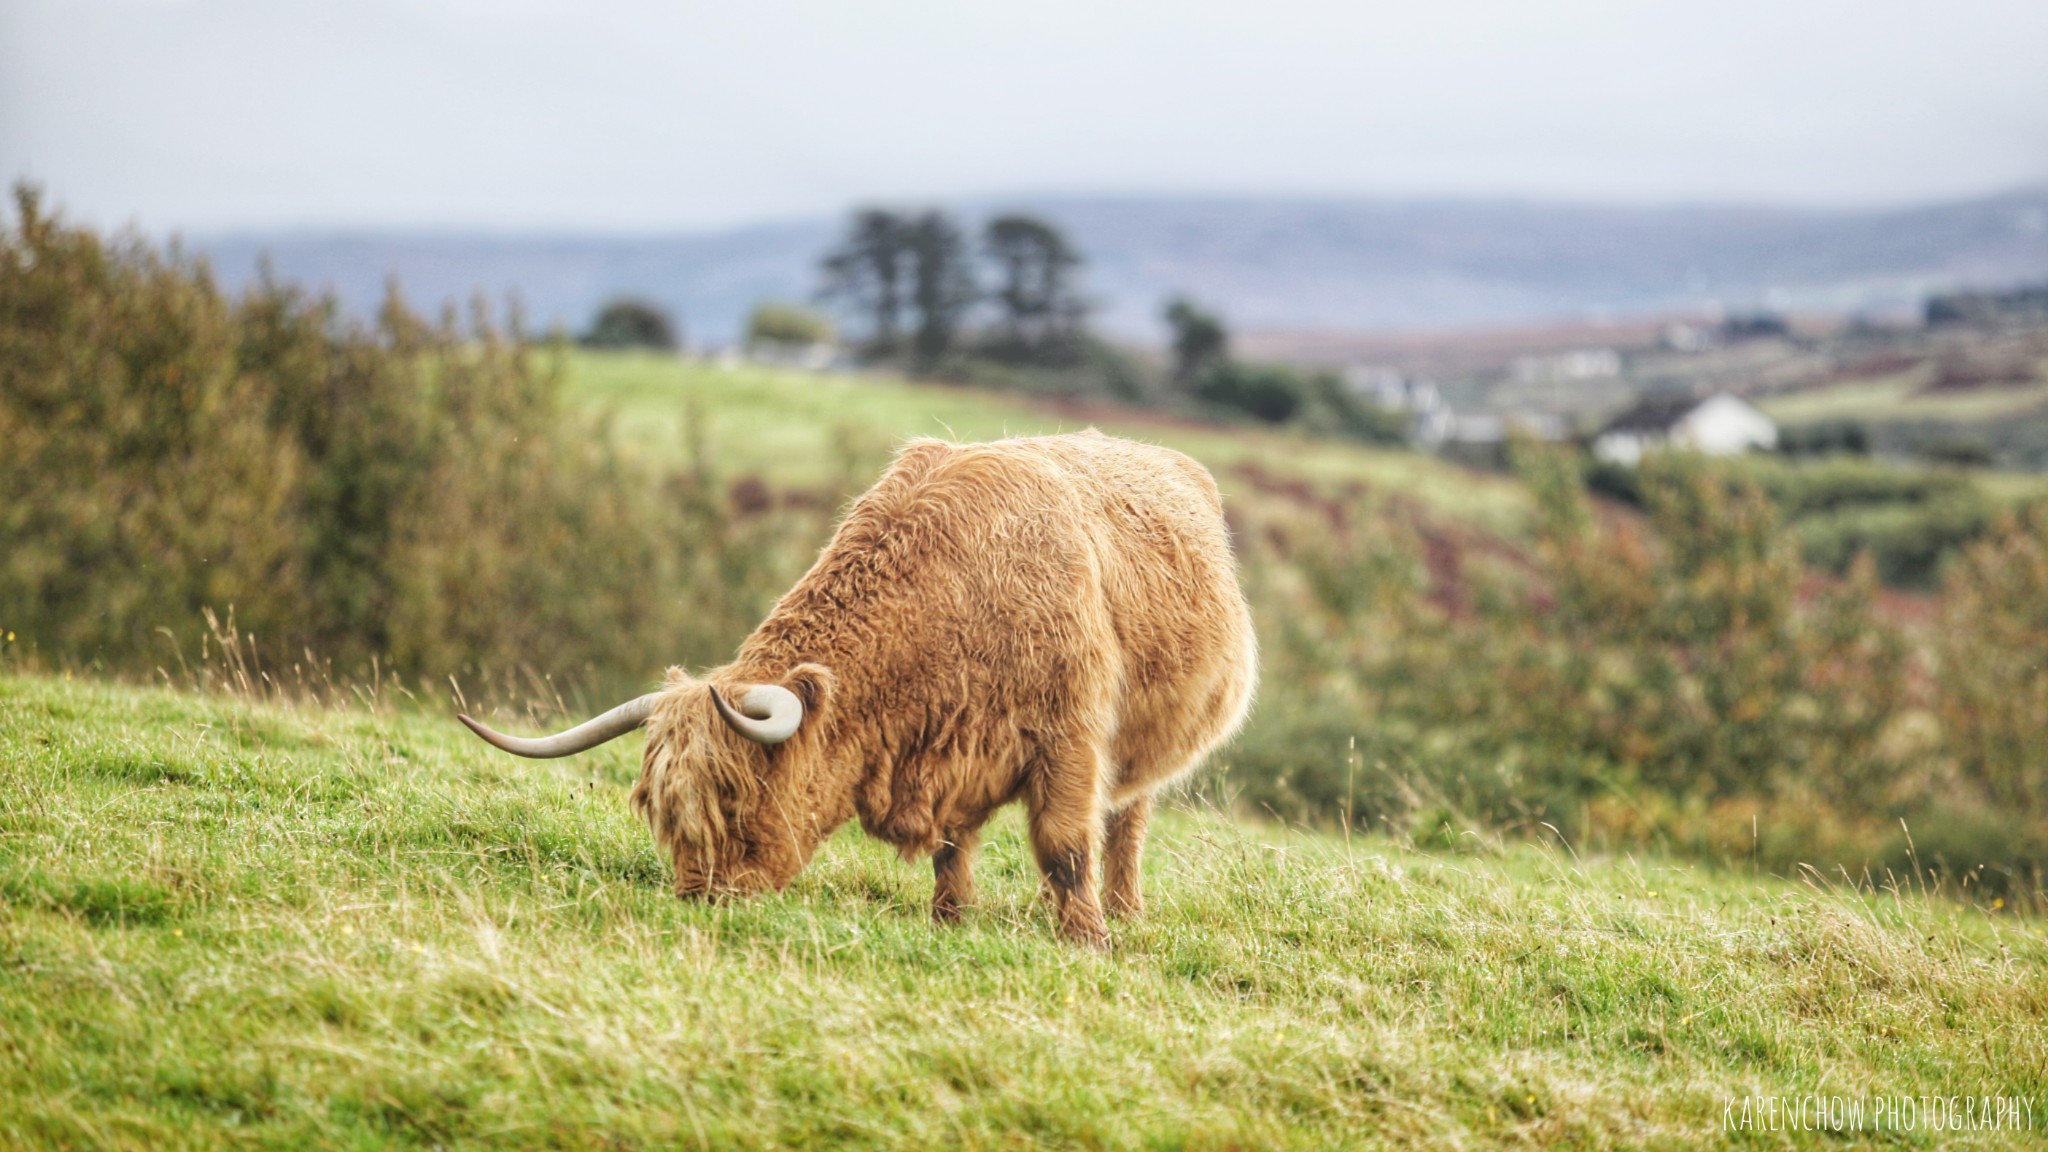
776 323
1042 312
365 496
866 274
628 322
1199 341
1993 682
1270 392
942 284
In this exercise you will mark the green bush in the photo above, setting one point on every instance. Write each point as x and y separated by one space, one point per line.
1081 368
1819 487
1827 438
1670 663
1264 391
787 324
402 496
1993 673
626 322
1910 544
1909 520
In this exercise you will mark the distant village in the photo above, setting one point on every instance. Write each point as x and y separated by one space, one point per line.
1719 422
1702 384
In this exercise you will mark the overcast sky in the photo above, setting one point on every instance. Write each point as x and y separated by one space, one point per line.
636 114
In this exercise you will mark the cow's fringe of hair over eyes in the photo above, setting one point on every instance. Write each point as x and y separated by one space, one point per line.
700 780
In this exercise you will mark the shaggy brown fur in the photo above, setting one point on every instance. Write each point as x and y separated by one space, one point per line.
1054 619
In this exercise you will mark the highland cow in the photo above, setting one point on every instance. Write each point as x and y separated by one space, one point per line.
1053 619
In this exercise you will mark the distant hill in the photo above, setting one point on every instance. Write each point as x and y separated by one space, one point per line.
1343 265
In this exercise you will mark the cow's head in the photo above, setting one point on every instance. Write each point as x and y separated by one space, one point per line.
732 780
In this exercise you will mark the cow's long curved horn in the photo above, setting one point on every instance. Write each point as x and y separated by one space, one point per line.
768 713
589 734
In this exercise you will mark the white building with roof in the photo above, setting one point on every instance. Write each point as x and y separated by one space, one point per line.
1719 425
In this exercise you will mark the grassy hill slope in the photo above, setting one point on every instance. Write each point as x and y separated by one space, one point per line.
1906 408
227 924
1903 397
798 428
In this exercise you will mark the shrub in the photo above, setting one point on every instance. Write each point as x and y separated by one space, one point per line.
1266 392
786 324
1909 543
1993 678
1815 487
404 493
1618 482
626 322
1827 438
1088 369
1910 520
140 478
1669 662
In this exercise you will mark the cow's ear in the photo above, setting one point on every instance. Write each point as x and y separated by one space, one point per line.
813 684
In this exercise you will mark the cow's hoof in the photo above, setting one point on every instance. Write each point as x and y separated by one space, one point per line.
1092 936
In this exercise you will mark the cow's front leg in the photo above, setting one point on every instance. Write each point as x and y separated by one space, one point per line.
1061 806
953 874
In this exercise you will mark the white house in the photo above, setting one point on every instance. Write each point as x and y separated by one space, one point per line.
1720 425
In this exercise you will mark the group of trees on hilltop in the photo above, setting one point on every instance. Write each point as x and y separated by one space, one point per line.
1005 309
1002 307
916 282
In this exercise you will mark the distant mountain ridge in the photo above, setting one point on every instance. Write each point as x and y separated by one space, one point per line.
1342 265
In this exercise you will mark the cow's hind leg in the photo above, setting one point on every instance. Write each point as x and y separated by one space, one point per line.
1123 844
1062 807
953 874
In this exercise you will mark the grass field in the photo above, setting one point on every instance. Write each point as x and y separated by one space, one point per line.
240 925
1900 397
799 428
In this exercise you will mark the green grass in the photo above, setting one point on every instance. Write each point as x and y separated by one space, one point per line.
1898 399
1895 398
2013 487
225 924
798 428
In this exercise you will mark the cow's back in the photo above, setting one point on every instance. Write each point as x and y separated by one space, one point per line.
1147 589
982 599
